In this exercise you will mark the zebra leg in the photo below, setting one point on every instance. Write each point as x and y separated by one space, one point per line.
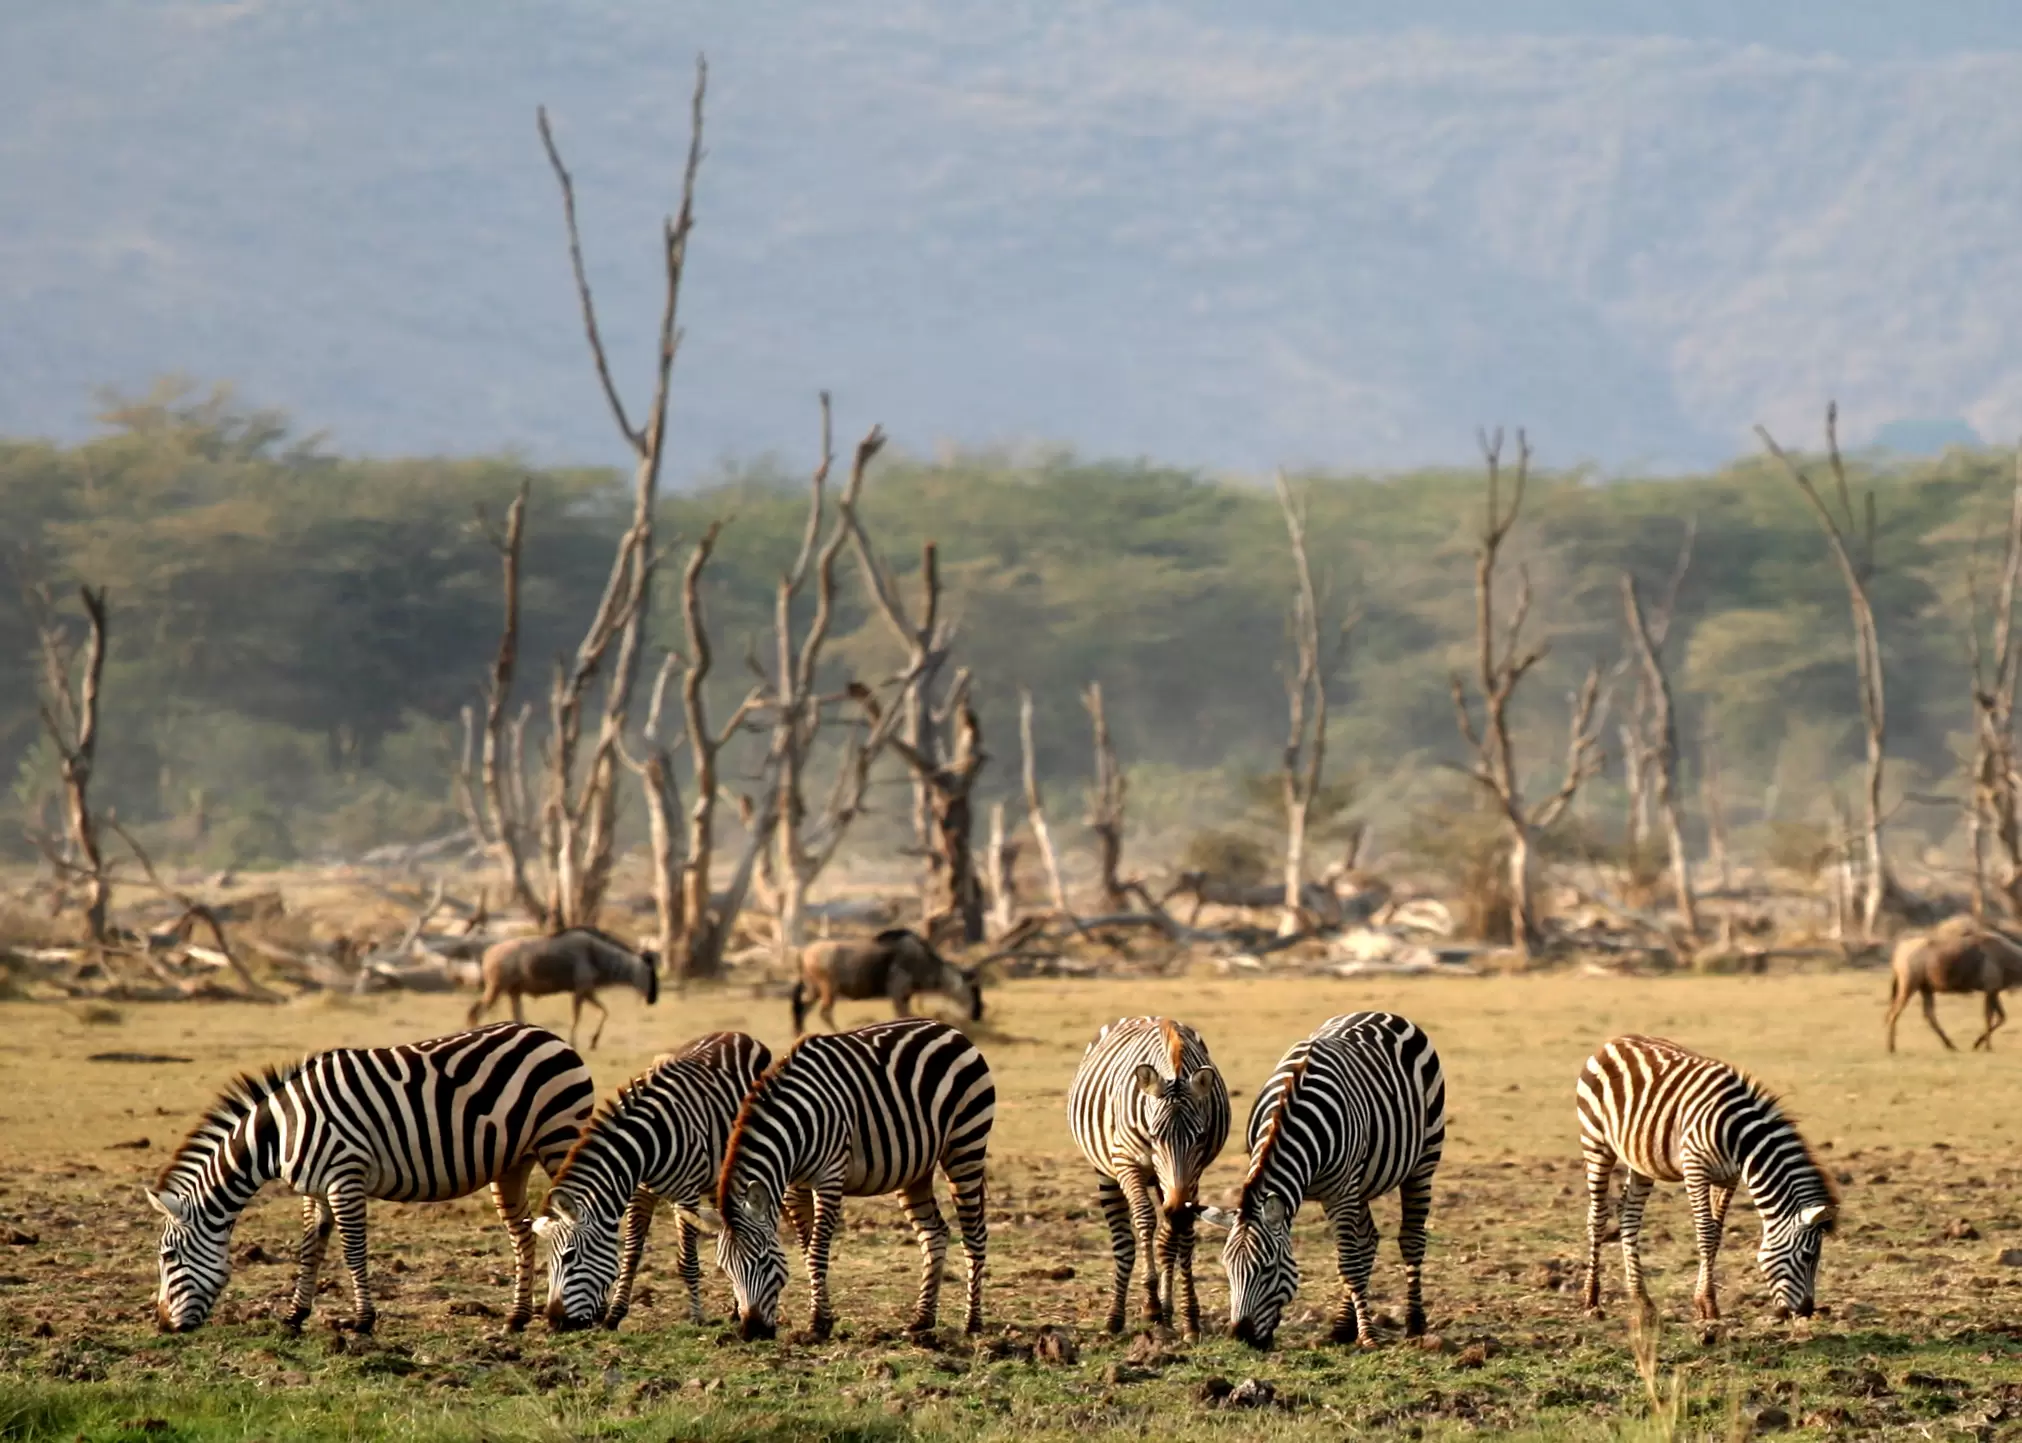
1416 1196
799 1206
509 1196
316 1225
827 1218
1355 1241
347 1205
1176 1241
690 1239
932 1230
632 1247
971 1189
1137 1192
1122 1247
603 1016
1706 1223
1635 1193
1600 1167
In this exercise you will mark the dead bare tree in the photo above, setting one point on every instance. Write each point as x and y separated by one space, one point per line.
1002 874
1035 807
1997 790
494 802
579 807
1713 803
1851 541
706 918
806 844
1658 739
1105 805
654 768
1501 663
1316 661
1639 741
70 717
943 814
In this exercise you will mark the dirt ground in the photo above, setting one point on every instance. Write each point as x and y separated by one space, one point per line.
1920 1333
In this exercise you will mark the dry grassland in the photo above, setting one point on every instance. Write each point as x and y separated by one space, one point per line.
1921 1336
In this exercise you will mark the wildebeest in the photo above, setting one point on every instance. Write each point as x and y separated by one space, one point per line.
1956 957
577 960
896 963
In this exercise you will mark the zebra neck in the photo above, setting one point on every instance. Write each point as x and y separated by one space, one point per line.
1282 1172
245 1160
1778 1169
610 1164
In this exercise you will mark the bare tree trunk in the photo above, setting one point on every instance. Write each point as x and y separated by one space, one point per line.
579 811
1843 533
1105 806
703 929
1500 664
1714 805
1997 791
1002 874
950 786
1315 663
1661 738
1035 809
70 717
655 770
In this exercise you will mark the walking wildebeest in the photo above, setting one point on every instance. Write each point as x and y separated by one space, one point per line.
896 963
577 960
1957 957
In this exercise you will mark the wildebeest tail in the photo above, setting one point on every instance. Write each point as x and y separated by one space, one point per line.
799 1004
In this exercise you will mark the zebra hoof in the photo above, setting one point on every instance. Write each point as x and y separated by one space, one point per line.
1113 1323
517 1322
820 1328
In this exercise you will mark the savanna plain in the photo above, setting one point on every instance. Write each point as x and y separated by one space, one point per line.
1920 1334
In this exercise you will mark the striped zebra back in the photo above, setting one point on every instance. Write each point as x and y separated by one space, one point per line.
1355 1108
1147 1088
421 1122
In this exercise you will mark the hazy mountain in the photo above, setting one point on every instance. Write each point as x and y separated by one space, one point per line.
1310 235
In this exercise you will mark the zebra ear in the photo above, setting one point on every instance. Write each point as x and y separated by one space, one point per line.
166 1204
1217 1217
558 1207
1820 1215
1201 1083
1277 1212
1148 1080
754 1198
703 1219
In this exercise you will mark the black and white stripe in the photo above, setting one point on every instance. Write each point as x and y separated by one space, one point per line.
1672 1115
1352 1112
854 1114
1150 1112
662 1136
424 1122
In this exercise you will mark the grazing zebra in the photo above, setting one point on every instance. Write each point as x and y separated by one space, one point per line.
1352 1112
854 1114
577 961
1954 958
1675 1116
1150 1112
424 1122
662 1136
896 963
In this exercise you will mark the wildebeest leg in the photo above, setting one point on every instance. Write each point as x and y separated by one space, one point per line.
828 995
519 1007
1931 1016
575 1017
482 1005
1996 1015
603 1015
1899 998
509 1195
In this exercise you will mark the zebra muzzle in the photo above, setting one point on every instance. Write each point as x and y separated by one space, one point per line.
754 1329
560 1320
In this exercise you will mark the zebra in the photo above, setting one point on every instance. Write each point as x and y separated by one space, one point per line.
1673 1115
1150 1112
1352 1112
577 960
662 1136
896 963
423 1122
854 1114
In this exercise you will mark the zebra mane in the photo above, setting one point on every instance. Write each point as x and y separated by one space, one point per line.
1267 1141
239 1099
746 1111
1778 1111
1175 1044
608 1109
